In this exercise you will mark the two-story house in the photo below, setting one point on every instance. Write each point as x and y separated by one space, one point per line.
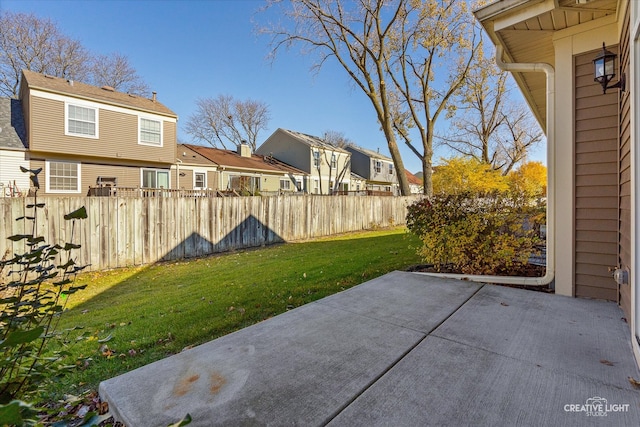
83 136
240 171
377 169
328 167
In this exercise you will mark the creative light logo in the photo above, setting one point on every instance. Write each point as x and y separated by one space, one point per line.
596 407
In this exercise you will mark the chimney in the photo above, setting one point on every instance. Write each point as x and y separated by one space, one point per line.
153 96
70 82
244 150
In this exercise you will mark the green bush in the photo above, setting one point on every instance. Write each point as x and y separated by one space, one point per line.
34 286
489 235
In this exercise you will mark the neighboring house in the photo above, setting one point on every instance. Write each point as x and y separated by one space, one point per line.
13 149
85 136
593 137
415 183
358 183
376 168
328 167
193 171
241 171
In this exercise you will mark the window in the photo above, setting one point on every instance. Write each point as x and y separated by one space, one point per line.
334 161
299 185
199 180
316 186
316 159
285 184
82 121
390 168
63 177
150 132
153 178
378 166
241 183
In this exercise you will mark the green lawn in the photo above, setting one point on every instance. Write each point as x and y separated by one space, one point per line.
138 315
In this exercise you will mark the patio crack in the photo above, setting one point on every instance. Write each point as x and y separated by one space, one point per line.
399 359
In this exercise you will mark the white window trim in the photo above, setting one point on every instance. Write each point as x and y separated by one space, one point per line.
156 171
203 172
256 177
377 166
153 119
316 158
48 181
81 105
285 184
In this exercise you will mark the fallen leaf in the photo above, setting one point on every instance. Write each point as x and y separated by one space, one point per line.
606 362
634 382
504 304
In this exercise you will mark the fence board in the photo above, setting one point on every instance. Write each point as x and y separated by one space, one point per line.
124 231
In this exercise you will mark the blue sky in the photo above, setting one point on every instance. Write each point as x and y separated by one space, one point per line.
193 49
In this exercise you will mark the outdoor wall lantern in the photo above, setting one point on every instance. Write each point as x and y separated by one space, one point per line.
604 70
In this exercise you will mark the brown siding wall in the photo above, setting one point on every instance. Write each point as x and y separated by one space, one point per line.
118 135
596 181
127 176
625 169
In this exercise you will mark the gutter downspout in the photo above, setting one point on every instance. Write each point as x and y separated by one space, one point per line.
550 258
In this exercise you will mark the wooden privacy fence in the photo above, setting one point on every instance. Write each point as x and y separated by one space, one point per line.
123 231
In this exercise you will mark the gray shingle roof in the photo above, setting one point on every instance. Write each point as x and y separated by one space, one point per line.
12 129
370 153
313 141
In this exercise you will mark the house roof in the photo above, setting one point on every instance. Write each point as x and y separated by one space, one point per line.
412 178
105 94
12 128
370 153
357 177
525 29
232 159
313 141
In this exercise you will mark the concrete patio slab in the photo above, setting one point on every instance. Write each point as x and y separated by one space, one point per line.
402 349
274 372
405 299
442 382
586 337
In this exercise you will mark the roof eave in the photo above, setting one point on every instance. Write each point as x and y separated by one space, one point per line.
102 101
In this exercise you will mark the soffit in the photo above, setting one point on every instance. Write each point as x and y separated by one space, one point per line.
526 28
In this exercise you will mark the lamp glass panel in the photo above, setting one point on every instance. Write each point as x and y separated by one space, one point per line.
599 67
609 67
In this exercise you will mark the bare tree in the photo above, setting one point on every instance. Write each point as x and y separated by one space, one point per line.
36 44
336 138
435 48
225 121
399 53
489 126
32 43
114 70
357 35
